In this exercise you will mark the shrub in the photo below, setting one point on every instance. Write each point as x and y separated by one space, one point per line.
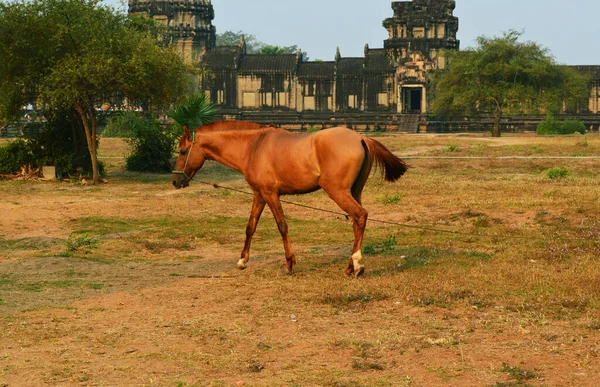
121 125
552 126
572 127
58 142
13 155
451 148
152 147
548 126
556 173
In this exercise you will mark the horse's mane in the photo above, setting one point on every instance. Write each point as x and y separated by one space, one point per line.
227 126
230 125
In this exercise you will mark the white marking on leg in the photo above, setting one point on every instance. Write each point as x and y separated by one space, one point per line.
242 264
356 258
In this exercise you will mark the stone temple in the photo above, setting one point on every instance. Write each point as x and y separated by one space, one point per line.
385 89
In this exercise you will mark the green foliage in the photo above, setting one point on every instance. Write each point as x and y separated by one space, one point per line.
386 246
80 243
312 129
552 126
503 76
572 127
14 154
121 125
255 46
519 373
548 126
57 143
76 55
152 147
556 173
451 148
196 111
392 199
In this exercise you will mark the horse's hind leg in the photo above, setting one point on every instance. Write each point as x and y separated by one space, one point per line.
258 206
359 215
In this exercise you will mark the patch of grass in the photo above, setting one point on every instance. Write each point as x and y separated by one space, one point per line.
518 373
366 365
452 148
80 243
36 243
556 173
103 225
392 199
347 299
37 287
387 246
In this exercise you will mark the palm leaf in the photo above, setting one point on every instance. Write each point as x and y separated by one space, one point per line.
196 111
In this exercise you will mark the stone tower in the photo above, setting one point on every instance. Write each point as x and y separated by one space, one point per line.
420 33
189 22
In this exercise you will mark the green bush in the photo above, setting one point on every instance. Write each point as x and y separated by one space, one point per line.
14 154
556 173
152 147
121 125
60 142
548 126
552 126
572 127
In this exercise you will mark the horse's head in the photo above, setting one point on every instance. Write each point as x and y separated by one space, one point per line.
190 160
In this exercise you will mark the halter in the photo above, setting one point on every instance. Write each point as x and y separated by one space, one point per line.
188 157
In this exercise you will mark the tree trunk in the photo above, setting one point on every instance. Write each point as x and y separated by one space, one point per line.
496 130
89 126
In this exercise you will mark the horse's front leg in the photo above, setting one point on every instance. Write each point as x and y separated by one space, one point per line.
258 206
275 206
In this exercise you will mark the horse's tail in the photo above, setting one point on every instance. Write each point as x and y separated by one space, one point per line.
391 166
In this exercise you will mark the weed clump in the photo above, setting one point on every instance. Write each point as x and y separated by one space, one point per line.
81 243
556 173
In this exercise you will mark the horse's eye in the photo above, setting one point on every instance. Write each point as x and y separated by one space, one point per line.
182 152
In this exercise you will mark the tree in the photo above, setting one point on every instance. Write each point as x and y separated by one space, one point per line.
78 54
254 46
504 76
230 38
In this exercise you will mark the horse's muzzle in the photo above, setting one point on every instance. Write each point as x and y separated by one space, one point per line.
181 182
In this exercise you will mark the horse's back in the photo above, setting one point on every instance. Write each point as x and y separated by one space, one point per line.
341 155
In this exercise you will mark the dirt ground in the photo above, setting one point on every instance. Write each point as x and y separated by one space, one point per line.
131 283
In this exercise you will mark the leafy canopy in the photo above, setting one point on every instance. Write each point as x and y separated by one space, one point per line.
503 75
196 111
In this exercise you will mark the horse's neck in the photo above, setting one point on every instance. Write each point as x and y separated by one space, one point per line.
230 148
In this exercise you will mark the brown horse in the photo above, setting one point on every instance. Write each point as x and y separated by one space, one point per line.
276 162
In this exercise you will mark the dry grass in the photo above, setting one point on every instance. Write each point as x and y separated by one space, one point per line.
132 283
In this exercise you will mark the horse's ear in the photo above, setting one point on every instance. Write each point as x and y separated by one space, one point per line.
186 133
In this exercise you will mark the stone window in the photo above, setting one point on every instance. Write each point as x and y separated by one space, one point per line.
280 99
382 99
418 32
267 99
353 101
309 103
249 99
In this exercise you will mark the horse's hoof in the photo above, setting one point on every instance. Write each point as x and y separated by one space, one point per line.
359 272
242 265
349 271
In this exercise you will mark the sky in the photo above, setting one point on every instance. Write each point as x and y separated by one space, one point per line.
569 29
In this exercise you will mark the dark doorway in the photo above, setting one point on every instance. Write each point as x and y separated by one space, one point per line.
412 97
